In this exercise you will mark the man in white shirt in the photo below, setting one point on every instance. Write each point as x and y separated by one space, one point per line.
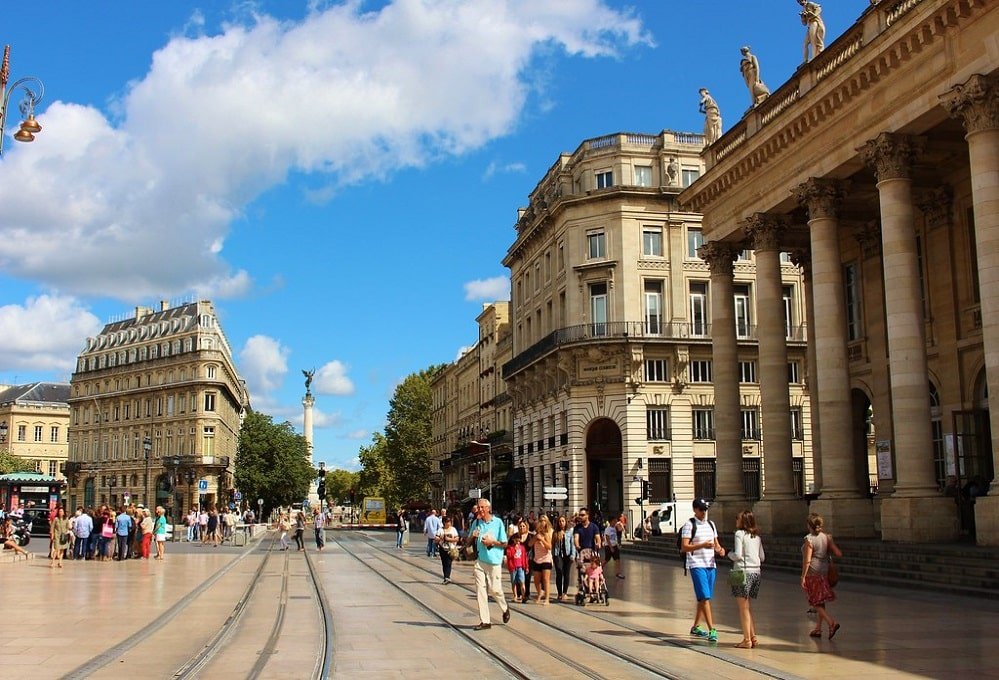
699 544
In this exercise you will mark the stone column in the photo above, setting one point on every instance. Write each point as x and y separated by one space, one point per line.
802 257
846 510
905 515
779 512
725 374
976 103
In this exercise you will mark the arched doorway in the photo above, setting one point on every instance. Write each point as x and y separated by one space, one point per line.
604 489
864 442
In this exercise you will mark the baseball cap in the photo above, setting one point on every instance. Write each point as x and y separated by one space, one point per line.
701 504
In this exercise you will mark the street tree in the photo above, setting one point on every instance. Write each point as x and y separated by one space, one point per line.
272 461
340 482
407 437
11 463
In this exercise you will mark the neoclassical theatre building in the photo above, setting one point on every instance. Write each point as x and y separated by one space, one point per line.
156 407
612 378
877 164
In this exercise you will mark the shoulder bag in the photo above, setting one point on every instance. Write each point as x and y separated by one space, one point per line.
832 574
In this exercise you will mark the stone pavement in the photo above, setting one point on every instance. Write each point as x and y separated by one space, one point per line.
57 620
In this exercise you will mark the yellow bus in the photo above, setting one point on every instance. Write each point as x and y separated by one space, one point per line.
373 510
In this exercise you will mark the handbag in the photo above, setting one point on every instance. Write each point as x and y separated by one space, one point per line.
737 578
832 574
107 531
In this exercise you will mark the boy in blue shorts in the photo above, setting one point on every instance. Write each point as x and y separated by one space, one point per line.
699 544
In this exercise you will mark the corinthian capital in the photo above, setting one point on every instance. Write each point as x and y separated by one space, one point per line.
719 256
820 197
764 231
976 103
890 156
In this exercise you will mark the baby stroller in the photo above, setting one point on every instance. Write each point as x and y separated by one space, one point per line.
584 592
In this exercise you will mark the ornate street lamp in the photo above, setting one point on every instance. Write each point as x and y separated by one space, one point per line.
112 481
32 95
147 447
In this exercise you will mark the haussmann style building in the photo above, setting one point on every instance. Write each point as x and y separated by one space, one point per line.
613 378
157 406
34 424
878 164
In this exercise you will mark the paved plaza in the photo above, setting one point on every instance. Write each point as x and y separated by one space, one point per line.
92 616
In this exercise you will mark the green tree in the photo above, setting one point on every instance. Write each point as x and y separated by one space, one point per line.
407 438
11 463
375 478
272 462
340 482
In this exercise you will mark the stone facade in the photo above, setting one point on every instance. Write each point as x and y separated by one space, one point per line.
34 424
157 406
470 404
614 304
880 155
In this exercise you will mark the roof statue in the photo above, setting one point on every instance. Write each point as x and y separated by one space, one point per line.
712 116
750 68
815 31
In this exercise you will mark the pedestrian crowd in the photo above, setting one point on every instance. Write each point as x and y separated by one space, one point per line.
104 534
535 546
297 520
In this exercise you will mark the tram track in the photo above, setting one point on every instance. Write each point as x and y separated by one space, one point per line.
548 649
712 652
200 664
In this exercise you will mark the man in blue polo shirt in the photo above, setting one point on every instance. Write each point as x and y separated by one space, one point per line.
699 544
489 537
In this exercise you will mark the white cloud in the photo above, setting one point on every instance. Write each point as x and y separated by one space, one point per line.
357 434
493 168
263 363
45 334
496 288
142 206
332 379
461 352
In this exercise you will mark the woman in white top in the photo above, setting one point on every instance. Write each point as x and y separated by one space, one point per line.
447 542
747 556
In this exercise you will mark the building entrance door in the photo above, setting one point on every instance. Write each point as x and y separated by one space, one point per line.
604 488
973 463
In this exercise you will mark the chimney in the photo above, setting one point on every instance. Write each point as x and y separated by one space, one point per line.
141 312
164 305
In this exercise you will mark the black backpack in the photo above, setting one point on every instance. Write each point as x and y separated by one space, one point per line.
693 532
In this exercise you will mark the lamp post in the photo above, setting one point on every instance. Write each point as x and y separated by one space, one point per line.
489 455
147 447
3 434
32 95
190 487
112 481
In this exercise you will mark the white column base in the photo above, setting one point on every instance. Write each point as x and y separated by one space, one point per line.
844 517
986 520
781 517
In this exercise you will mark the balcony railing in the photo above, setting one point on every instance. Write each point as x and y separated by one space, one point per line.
617 330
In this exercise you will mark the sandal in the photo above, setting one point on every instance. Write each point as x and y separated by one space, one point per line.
833 631
745 644
754 641
817 633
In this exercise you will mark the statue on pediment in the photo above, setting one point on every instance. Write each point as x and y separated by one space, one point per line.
815 28
712 116
750 69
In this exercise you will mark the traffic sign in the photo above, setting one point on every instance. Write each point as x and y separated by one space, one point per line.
202 486
475 493
237 496
555 489
556 496
260 501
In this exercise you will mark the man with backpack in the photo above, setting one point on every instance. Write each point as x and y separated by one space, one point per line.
699 545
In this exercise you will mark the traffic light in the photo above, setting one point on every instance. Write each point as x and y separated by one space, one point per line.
321 490
646 490
351 496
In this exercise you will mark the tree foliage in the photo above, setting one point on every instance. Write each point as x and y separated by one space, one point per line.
340 482
272 462
397 464
11 463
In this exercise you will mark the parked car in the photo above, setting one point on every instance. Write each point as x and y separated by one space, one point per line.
39 519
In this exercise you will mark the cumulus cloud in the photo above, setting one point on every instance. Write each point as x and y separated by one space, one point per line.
332 379
496 288
263 363
46 333
357 434
142 205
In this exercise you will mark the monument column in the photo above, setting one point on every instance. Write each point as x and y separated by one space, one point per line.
847 512
976 103
307 403
914 511
779 512
725 375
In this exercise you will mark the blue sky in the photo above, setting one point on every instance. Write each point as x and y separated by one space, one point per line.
341 178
